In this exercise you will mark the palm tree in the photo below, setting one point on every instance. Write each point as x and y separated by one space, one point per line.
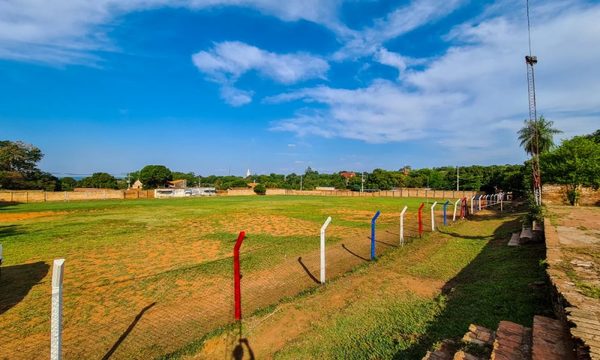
537 137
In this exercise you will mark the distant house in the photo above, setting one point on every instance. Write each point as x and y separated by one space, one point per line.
347 174
177 184
137 185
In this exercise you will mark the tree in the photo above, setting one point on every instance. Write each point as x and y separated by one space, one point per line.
190 177
99 180
537 137
18 167
19 157
155 176
575 163
68 183
260 189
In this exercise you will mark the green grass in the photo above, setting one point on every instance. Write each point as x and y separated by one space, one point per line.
486 282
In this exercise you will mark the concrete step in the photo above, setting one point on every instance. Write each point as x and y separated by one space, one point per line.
513 342
515 239
526 235
551 340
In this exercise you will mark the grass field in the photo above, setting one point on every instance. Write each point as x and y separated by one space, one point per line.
145 278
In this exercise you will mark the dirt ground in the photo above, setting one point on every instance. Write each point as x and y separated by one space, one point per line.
12 217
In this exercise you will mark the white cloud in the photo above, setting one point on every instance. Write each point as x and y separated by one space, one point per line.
69 31
474 95
396 23
227 61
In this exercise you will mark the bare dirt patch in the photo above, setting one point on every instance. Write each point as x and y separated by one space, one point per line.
12 217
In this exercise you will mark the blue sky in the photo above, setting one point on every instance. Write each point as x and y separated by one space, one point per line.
219 86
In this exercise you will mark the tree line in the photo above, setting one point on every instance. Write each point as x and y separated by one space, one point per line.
575 163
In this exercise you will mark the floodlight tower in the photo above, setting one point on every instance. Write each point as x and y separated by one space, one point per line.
530 61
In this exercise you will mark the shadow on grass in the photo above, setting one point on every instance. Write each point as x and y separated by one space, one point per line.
310 275
495 286
9 230
127 332
6 204
353 253
17 280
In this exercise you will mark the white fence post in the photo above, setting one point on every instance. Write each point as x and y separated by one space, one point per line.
455 207
323 228
472 201
402 225
56 315
501 198
433 216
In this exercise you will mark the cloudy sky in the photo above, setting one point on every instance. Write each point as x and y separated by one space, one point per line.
219 86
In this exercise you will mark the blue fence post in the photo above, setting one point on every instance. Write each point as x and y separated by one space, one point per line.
445 206
373 220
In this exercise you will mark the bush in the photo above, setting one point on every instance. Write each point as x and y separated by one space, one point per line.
536 212
573 196
260 189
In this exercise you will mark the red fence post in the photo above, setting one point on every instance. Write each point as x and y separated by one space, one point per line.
421 219
237 293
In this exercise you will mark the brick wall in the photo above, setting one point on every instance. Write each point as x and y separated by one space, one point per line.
557 195
421 193
42 196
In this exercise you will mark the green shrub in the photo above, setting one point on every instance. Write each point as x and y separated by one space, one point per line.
573 196
260 189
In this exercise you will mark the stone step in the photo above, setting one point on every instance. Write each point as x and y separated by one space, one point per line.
513 342
551 340
515 239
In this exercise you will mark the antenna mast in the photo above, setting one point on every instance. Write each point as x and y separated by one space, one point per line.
530 61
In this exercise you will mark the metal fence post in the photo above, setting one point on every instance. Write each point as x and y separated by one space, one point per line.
433 216
323 228
421 219
56 312
373 220
237 292
402 225
445 207
455 207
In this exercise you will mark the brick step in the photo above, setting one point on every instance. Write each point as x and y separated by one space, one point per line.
551 340
512 342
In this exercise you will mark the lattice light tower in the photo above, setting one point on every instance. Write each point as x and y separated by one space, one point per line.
530 61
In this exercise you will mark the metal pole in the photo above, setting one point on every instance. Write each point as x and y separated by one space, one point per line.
402 225
457 179
433 216
373 220
56 311
421 219
445 207
323 228
455 206
236 276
